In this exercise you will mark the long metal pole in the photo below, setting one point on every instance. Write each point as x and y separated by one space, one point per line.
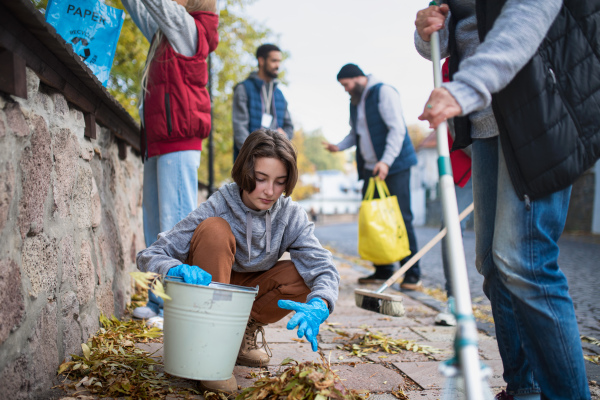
466 328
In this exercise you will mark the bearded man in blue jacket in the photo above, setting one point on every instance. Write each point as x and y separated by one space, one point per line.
258 102
383 149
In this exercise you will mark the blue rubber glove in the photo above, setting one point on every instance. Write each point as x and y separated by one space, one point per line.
191 274
308 318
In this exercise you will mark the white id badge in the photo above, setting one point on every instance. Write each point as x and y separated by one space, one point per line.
266 120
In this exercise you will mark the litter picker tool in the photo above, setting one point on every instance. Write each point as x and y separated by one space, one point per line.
391 304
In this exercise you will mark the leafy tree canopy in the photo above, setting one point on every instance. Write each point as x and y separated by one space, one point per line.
305 166
318 156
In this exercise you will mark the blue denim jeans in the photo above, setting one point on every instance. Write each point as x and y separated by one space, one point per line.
399 186
170 194
517 253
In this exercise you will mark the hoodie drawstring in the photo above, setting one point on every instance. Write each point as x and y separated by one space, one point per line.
249 233
268 223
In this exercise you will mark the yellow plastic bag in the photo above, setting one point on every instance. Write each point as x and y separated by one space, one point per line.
382 235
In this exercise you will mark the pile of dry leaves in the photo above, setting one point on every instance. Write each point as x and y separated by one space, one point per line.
361 344
113 366
300 381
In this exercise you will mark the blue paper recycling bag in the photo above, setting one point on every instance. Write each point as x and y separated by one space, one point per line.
92 27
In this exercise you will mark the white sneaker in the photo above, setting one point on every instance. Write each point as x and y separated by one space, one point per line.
445 318
155 322
144 313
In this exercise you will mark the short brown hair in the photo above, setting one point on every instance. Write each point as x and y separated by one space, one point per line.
265 143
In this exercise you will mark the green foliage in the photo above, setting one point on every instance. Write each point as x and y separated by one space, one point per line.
40 4
304 167
318 156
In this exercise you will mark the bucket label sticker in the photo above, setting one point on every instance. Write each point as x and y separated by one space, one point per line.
222 296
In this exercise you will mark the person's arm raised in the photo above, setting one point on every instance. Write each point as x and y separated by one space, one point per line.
429 20
508 46
141 18
176 23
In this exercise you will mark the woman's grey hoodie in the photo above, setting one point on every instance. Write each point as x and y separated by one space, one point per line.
261 238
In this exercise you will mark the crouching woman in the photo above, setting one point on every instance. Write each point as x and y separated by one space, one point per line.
238 236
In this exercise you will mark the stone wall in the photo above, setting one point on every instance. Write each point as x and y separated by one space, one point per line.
70 227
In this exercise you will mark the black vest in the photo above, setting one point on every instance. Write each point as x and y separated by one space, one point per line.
378 131
549 114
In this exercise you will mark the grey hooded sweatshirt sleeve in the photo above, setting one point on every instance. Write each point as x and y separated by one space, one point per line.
261 239
508 46
168 16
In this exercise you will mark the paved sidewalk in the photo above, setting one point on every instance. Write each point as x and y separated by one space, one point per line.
380 374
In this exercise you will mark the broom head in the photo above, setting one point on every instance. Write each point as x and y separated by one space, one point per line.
388 304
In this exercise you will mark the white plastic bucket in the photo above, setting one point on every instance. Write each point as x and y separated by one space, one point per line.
204 327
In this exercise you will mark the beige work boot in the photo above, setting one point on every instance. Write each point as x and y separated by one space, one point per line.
229 385
251 354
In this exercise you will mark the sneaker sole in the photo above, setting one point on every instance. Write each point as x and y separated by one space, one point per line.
144 315
371 281
411 286
228 386
443 323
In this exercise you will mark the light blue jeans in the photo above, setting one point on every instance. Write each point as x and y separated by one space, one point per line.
517 253
170 194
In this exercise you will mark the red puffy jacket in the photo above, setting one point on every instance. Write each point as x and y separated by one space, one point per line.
461 162
177 104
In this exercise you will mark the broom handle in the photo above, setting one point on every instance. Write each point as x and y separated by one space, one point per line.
422 252
466 331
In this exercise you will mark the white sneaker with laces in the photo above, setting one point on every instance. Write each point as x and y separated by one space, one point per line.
144 313
445 318
155 322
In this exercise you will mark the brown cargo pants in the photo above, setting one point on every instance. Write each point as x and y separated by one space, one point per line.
212 248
